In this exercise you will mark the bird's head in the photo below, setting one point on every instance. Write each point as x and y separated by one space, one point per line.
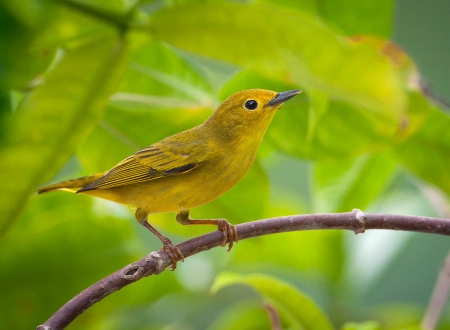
248 112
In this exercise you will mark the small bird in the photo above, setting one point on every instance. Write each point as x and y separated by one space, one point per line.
190 168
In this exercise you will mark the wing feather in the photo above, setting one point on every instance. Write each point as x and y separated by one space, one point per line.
154 162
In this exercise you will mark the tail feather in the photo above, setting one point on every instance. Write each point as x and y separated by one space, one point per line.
71 185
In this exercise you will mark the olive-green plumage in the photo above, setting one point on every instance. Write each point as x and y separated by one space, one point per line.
190 168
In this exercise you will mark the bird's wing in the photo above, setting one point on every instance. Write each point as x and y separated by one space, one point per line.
156 161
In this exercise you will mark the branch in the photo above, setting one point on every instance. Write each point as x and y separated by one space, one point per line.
438 298
273 316
156 262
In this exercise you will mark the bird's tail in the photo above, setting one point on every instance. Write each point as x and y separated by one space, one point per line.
71 185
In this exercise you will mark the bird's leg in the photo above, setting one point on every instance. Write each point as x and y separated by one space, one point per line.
172 250
228 230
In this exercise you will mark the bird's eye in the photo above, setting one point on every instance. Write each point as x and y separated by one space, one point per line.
251 105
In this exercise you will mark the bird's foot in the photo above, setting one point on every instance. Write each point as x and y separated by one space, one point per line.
229 233
173 252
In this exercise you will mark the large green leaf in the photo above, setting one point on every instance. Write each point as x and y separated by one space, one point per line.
345 184
296 48
296 307
347 14
52 119
323 130
327 130
20 23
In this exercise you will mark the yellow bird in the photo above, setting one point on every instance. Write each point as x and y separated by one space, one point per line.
190 168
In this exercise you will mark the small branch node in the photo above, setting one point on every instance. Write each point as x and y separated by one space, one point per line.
44 327
132 272
361 217
156 258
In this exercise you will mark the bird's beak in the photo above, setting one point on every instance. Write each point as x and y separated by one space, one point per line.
283 97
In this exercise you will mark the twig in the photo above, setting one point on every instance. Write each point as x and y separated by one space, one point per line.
438 298
156 262
273 316
427 90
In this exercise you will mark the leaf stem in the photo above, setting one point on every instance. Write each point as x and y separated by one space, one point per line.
118 20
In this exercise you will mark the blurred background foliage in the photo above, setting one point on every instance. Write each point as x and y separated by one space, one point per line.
85 83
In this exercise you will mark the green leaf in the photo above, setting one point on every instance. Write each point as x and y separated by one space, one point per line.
52 119
344 184
298 309
368 325
105 8
160 94
241 316
318 108
316 57
335 132
427 152
155 69
310 6
318 255
347 16
70 27
407 315
356 88
20 22
323 133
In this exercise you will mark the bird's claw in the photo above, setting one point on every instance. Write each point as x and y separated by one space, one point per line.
173 252
229 233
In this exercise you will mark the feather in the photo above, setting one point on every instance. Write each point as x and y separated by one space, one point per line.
154 162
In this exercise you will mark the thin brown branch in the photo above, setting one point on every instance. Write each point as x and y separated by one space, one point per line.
273 316
438 298
156 262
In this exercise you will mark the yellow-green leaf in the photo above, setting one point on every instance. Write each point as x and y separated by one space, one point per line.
296 47
44 131
297 308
